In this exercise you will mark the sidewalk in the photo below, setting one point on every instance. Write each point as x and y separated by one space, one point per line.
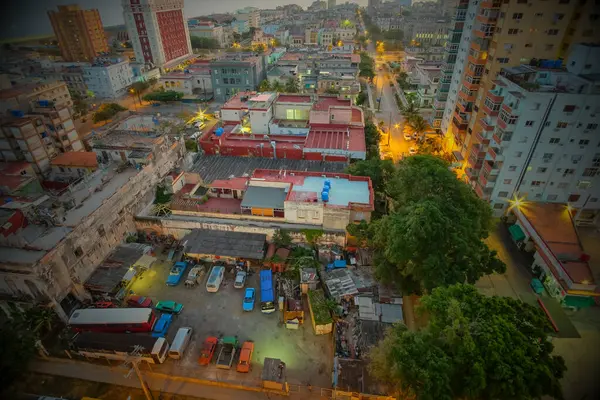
117 375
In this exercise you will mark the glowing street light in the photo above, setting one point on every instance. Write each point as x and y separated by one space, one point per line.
516 202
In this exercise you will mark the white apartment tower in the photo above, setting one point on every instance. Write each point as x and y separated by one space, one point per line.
543 144
158 31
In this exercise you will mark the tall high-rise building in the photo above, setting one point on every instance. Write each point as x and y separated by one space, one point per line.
79 33
502 34
158 30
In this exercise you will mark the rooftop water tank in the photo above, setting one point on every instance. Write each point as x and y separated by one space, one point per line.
325 196
219 131
327 183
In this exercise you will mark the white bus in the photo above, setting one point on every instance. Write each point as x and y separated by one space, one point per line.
120 346
113 319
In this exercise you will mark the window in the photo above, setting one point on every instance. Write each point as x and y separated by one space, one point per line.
561 124
498 206
101 231
584 142
518 154
554 140
507 136
512 168
536 183
541 170
523 139
559 17
547 157
513 31
591 172
596 160
528 45
503 194
573 198
551 197
517 16
569 171
507 181
226 81
569 109
539 15
591 126
529 123
552 32
503 60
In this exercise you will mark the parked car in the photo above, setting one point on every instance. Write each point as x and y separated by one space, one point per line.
162 325
407 136
176 273
240 280
249 297
208 350
169 306
139 301
412 151
245 357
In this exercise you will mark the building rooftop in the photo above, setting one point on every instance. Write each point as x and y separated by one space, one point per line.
325 102
264 197
213 167
552 80
336 138
236 102
85 159
554 224
293 98
226 243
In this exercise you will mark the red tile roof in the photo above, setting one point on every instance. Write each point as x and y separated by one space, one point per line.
290 98
13 167
349 139
86 159
233 183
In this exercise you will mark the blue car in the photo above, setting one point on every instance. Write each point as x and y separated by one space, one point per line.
176 273
162 325
249 297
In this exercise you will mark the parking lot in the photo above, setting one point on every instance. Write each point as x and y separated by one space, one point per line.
308 357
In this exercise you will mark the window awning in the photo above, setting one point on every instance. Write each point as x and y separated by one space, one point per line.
516 232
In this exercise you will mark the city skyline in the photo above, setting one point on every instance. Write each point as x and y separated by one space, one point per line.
27 18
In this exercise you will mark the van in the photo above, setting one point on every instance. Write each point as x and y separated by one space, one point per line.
215 278
181 341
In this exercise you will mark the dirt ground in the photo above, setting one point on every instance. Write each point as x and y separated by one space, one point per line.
75 389
308 357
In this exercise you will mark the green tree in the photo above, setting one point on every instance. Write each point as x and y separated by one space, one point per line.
332 90
80 105
164 96
282 238
203 43
372 138
409 111
107 111
264 86
277 87
162 196
312 235
435 235
360 231
361 98
191 145
380 172
474 347
292 86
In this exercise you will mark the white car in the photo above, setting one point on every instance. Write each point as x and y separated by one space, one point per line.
240 280
407 136
412 151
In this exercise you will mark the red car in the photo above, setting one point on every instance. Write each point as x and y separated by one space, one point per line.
103 304
139 301
208 349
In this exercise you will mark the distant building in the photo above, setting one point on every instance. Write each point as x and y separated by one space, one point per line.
233 75
240 27
209 30
250 14
158 31
330 4
108 78
23 97
79 32
194 80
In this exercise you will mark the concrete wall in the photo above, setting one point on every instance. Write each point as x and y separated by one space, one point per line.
65 268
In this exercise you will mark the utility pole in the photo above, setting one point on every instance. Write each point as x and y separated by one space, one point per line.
134 360
390 128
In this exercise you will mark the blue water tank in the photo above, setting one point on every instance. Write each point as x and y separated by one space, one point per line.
219 132
327 184
43 103
325 196
17 113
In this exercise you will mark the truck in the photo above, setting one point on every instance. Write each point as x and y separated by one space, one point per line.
229 346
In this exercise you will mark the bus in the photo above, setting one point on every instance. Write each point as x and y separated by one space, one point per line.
113 319
215 278
267 295
119 346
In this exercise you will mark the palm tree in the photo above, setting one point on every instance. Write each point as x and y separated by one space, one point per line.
409 111
291 86
264 86
418 125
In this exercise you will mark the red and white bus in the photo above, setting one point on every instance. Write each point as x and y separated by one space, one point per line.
113 320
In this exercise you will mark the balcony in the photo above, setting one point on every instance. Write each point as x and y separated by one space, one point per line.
463 107
476 60
481 193
489 111
468 98
488 16
480 137
471 174
439 104
471 85
487 181
490 4
496 139
494 96
484 31
495 154
510 109
458 125
486 125
477 152
488 166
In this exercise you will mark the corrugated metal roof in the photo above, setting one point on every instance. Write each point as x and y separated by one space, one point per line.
226 244
264 197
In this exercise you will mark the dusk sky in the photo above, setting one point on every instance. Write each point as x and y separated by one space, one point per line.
29 17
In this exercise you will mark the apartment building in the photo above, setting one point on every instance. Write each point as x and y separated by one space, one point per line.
23 97
207 29
250 14
158 31
194 80
455 61
504 34
80 33
236 74
540 139
108 78
427 79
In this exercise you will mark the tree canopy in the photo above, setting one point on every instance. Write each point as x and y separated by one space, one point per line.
367 66
434 236
292 85
264 86
164 96
380 172
203 43
107 111
474 347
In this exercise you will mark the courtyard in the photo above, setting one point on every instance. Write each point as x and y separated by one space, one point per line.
308 357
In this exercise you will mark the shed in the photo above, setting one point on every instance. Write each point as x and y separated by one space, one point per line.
308 279
274 374
212 244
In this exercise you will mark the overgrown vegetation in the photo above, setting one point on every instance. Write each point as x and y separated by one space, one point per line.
320 307
474 347
366 68
191 145
107 111
162 195
203 43
282 238
163 96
